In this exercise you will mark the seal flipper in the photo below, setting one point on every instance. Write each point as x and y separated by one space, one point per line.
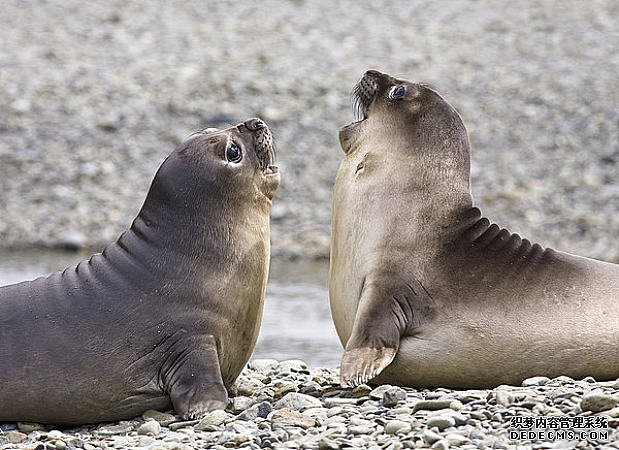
192 377
389 308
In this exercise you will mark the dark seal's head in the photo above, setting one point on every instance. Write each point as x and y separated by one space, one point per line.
218 171
407 124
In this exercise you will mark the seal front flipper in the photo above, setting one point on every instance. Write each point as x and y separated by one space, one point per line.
389 308
192 378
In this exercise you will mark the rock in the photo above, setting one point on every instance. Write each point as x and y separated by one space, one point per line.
394 426
241 403
377 393
326 444
212 419
503 397
164 419
432 405
597 402
248 386
440 422
298 402
430 436
262 409
535 381
456 439
150 427
263 365
615 385
331 402
29 427
393 395
292 365
60 445
15 437
359 429
184 424
112 430
441 445
285 418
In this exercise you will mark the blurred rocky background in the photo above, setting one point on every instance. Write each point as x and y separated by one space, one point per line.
94 95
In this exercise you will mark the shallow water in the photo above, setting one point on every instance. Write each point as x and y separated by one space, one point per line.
296 323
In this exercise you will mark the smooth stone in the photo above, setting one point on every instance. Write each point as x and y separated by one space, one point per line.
393 426
432 405
15 437
326 444
284 388
503 397
440 422
178 425
151 427
29 427
212 419
597 402
241 403
284 418
331 402
377 393
292 365
60 445
535 381
262 410
441 445
456 439
263 365
163 418
362 389
298 401
393 395
56 434
394 446
615 385
112 430
249 387
431 437
359 429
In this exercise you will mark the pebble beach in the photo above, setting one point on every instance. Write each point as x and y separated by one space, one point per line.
289 405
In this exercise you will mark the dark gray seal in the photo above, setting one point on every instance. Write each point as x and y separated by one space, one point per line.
168 314
426 292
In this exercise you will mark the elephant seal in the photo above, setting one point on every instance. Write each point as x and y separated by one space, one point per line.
168 314
424 291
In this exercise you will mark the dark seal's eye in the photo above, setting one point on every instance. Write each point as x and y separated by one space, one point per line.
397 92
234 153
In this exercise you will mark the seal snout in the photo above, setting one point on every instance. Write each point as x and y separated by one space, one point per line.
254 124
364 92
263 144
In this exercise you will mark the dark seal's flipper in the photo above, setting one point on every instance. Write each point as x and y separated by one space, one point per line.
191 375
389 308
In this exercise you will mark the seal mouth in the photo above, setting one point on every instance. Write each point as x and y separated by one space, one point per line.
363 94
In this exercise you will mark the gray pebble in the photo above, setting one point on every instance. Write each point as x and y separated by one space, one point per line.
535 381
432 405
393 395
394 426
298 401
430 436
440 422
597 402
150 427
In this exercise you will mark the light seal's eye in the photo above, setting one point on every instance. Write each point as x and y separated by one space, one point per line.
397 92
234 154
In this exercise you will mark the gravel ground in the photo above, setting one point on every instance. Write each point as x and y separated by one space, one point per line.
286 405
96 94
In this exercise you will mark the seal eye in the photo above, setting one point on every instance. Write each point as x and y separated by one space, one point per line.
234 153
397 92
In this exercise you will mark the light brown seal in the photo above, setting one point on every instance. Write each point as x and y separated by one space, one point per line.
426 292
166 316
